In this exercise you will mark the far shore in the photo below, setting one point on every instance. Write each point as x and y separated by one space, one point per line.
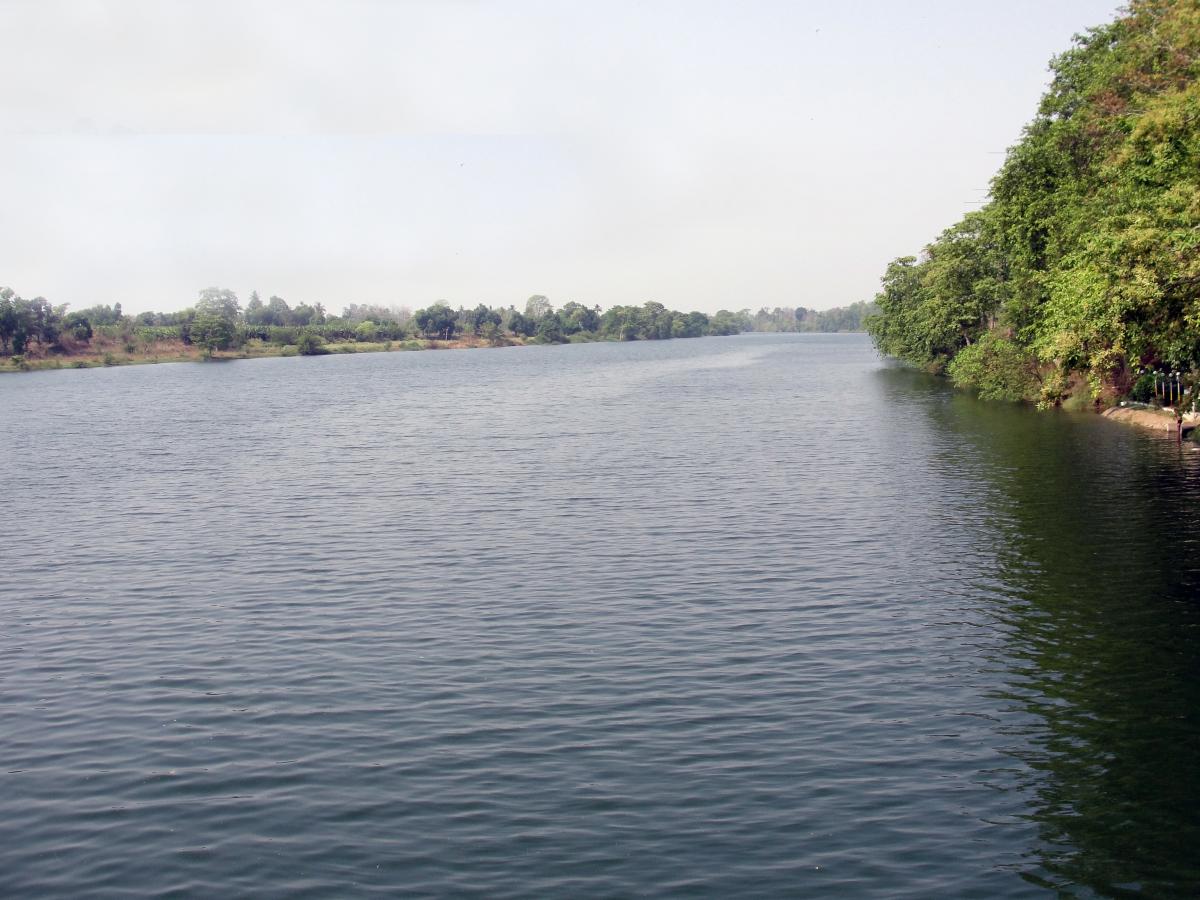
113 354
102 353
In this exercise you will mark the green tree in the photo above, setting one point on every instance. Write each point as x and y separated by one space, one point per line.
220 302
438 321
310 343
9 321
521 325
79 326
212 332
549 329
1087 257
537 306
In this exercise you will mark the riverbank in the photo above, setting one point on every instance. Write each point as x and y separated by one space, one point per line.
101 354
1152 419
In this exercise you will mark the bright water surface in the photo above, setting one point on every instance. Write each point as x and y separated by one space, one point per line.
755 616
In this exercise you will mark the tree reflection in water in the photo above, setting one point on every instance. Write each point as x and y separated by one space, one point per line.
1093 526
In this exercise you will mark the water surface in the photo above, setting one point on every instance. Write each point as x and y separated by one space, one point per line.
754 616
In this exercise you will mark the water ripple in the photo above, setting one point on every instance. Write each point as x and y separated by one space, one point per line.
732 617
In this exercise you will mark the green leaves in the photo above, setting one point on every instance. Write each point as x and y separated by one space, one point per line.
997 368
1087 258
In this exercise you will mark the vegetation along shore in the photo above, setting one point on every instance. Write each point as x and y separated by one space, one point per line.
34 334
1079 281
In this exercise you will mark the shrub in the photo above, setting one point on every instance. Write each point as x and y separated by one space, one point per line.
284 336
996 368
1055 388
1143 389
79 326
310 344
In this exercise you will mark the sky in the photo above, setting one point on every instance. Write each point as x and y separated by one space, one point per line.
704 155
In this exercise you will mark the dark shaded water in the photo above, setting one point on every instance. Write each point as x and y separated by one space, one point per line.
755 616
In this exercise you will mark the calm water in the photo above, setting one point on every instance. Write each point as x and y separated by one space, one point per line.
756 616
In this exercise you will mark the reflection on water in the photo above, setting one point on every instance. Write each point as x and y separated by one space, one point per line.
757 616
1095 529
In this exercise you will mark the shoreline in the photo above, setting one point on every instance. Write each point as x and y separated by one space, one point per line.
177 352
111 355
1152 419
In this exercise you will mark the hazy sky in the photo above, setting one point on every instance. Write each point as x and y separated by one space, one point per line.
705 155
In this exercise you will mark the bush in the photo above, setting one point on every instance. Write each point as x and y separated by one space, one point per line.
310 344
1143 389
79 326
997 368
283 336
1055 389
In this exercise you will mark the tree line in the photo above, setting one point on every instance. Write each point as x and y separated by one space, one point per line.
219 322
1082 271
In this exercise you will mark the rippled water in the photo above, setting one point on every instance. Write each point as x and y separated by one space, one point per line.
755 616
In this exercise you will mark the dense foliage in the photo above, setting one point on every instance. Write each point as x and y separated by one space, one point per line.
217 322
1084 266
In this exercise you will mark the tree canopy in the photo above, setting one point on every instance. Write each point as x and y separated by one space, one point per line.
218 323
1084 266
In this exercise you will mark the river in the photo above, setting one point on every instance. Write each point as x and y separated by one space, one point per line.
752 616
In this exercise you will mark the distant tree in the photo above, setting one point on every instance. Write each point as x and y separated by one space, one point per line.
438 321
692 325
79 327
482 316
521 325
549 328
103 316
215 324
255 311
9 321
218 301
8 317
366 331
361 312
305 314
44 321
576 317
490 332
537 306
310 344
726 322
212 332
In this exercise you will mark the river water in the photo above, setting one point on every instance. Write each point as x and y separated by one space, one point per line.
752 616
